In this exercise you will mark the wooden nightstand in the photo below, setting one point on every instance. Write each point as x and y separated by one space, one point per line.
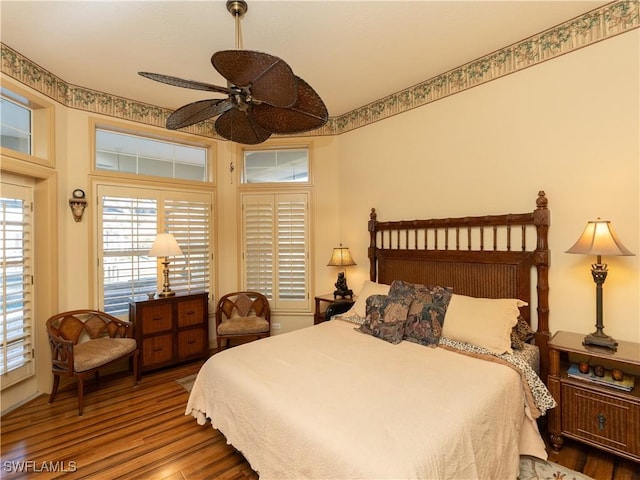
328 299
602 416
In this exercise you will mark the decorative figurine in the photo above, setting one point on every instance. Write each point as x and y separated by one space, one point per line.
342 290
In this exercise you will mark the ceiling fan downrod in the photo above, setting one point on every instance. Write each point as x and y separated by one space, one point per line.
237 8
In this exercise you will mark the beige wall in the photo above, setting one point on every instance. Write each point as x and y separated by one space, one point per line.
569 126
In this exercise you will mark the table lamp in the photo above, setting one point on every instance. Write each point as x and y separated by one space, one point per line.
341 257
165 246
599 239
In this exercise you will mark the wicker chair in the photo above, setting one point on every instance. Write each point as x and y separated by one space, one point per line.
83 341
242 315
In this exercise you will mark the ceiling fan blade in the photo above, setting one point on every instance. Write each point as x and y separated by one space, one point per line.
269 78
239 126
197 112
180 82
308 113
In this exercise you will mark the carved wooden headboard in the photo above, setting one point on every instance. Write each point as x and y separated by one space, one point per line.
491 256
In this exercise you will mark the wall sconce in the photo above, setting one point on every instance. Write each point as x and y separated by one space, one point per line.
599 239
165 246
77 204
341 257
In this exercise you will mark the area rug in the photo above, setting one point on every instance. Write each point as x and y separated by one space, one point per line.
187 382
531 468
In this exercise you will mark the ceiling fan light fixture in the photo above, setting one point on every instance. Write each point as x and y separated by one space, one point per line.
264 96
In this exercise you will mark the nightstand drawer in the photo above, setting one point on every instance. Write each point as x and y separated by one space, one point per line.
610 421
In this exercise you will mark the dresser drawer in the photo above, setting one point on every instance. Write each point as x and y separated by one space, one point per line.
157 350
191 343
190 312
608 420
156 318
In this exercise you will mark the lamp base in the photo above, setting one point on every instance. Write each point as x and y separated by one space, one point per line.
169 293
342 289
599 339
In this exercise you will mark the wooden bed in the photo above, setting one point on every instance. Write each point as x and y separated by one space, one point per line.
491 256
329 401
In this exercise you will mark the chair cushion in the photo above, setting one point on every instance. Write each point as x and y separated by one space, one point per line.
98 352
241 325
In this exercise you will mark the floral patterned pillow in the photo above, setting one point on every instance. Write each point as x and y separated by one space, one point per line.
422 325
386 317
426 312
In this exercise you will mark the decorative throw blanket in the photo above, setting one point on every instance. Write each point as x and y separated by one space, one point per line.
539 399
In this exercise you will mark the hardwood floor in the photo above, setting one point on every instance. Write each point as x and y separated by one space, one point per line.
142 433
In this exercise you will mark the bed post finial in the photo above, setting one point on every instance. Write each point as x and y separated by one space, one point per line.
541 201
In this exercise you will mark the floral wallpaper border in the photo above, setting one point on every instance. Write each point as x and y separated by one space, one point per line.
594 26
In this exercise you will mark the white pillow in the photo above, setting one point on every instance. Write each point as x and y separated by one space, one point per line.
359 309
485 322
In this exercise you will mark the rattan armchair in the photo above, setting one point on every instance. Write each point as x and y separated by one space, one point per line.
83 341
242 315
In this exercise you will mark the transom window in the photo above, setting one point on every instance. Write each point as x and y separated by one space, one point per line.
15 122
276 166
126 153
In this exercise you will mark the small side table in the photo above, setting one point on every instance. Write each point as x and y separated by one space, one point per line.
599 415
323 301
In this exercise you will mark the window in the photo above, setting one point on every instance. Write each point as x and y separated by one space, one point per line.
276 166
129 220
15 122
275 256
125 153
16 291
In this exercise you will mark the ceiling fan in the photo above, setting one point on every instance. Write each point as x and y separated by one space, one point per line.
263 95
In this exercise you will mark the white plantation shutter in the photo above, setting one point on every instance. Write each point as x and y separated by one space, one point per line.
258 235
188 220
275 254
129 220
129 226
291 228
16 291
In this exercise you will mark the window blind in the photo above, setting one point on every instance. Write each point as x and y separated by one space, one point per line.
129 226
189 222
16 290
130 221
275 256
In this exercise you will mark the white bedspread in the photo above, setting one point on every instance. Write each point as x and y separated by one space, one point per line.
329 402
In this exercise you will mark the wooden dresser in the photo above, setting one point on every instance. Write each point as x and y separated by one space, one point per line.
600 415
170 330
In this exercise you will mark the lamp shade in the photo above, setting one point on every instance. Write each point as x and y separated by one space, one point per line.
341 257
165 245
599 238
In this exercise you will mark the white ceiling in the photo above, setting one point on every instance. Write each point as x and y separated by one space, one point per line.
350 52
